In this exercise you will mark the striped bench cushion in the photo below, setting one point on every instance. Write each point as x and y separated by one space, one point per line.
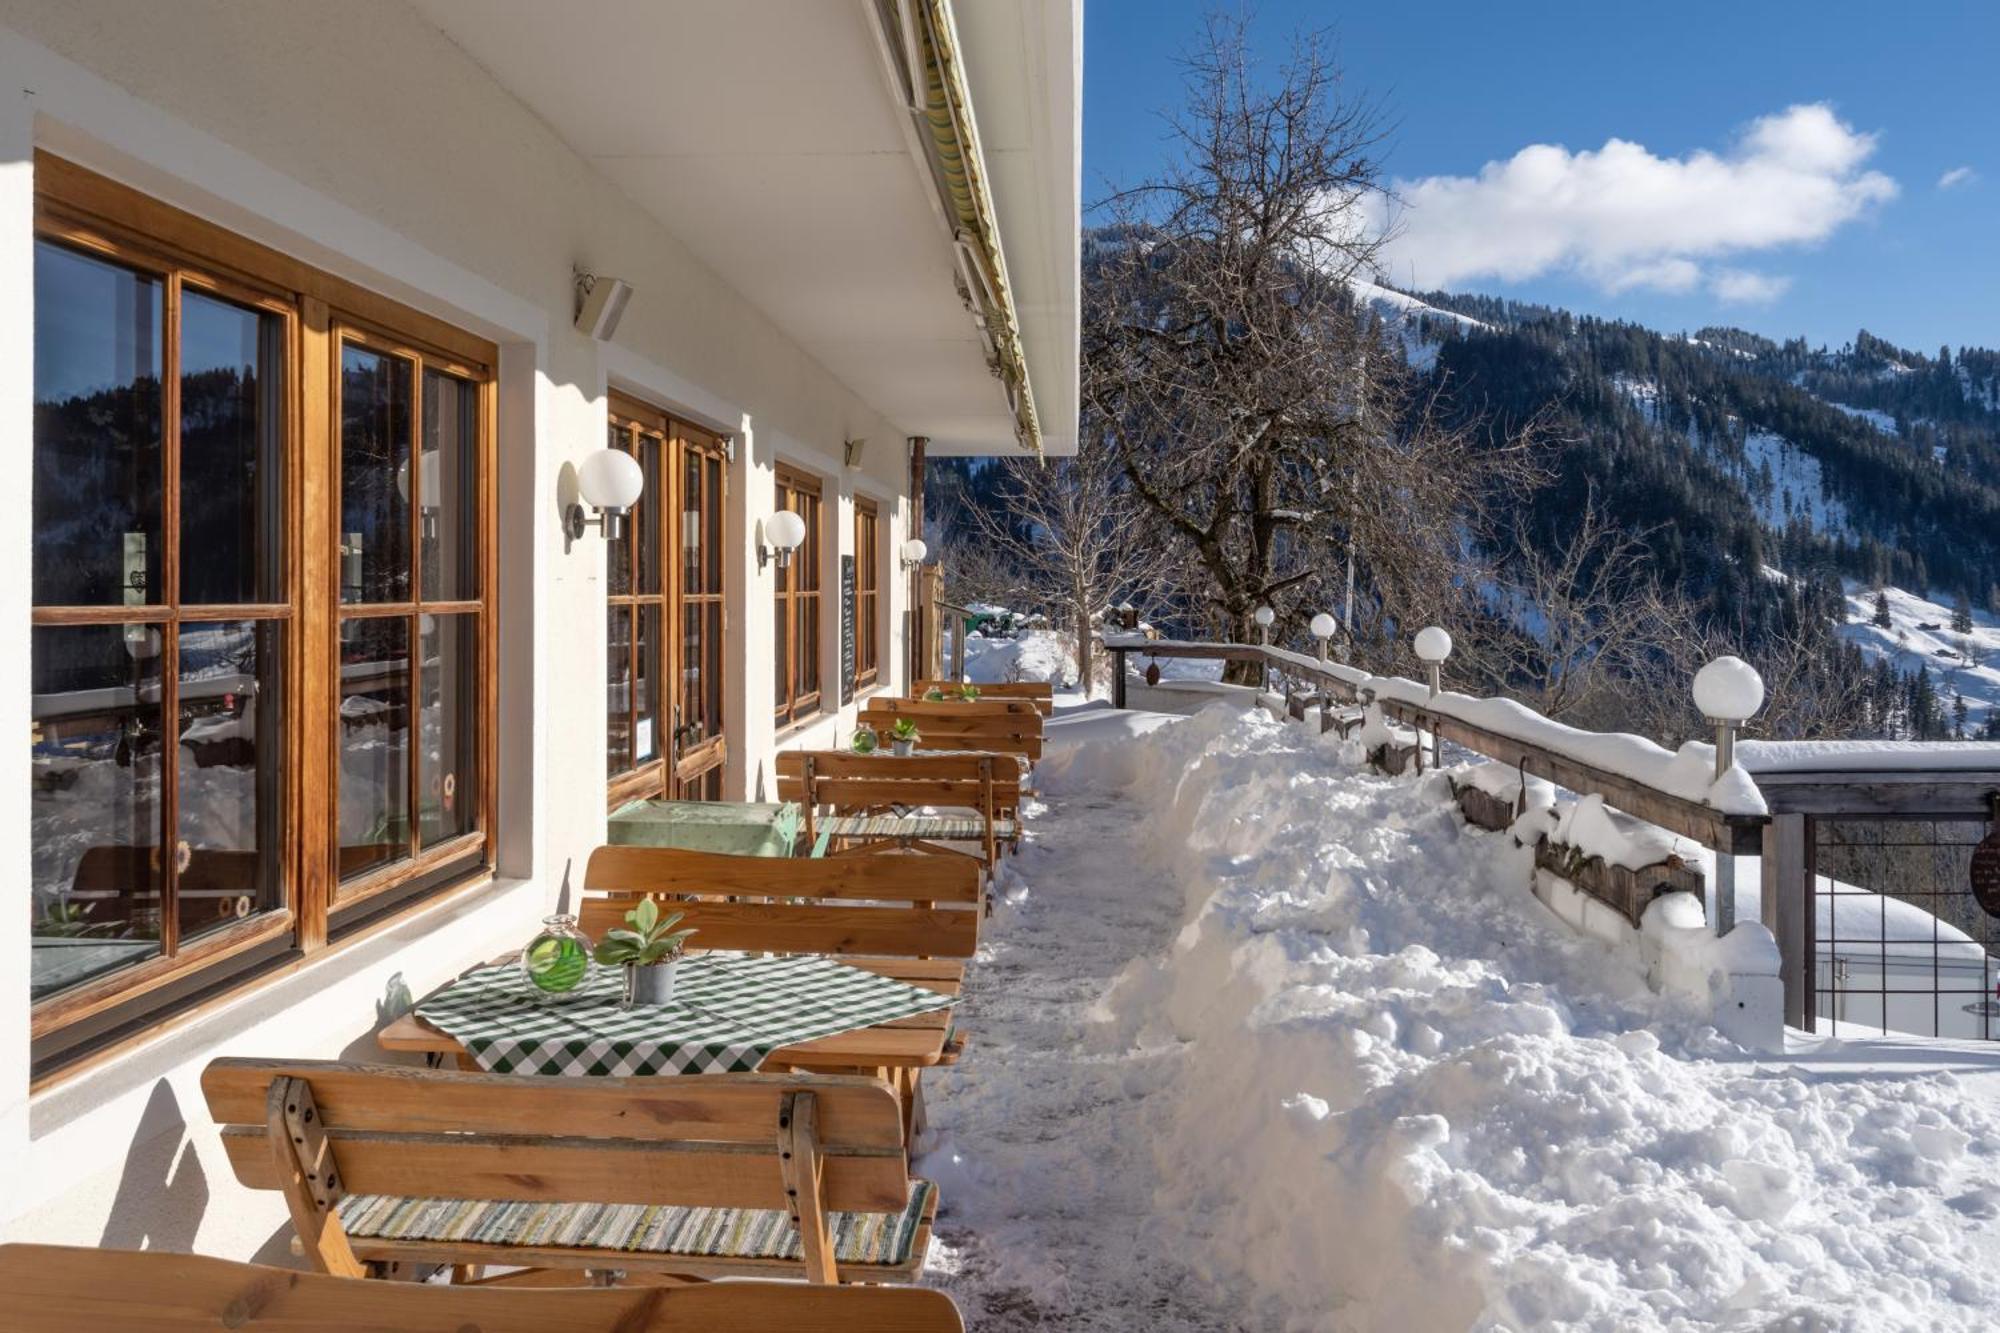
732 1233
935 828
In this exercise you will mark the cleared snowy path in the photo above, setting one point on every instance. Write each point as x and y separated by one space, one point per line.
1040 1143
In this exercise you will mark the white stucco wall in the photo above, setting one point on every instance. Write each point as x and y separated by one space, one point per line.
361 140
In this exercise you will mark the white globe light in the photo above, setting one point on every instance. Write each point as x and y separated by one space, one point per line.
1433 644
428 476
784 530
1323 626
1264 615
914 551
610 479
1728 690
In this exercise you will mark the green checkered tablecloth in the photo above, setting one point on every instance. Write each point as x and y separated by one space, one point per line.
729 1012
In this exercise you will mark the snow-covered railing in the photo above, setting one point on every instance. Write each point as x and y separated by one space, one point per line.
1762 799
1677 790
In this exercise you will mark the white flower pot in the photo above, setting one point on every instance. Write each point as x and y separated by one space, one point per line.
903 749
652 984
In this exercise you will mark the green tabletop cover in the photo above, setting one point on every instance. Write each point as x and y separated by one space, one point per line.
741 828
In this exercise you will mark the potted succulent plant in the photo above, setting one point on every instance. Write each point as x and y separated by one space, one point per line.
865 741
968 692
903 736
650 952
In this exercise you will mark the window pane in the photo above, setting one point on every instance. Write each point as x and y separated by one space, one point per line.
448 488
652 510
374 809
780 641
94 815
693 534
97 432
232 436
618 690
807 638
231 744
618 549
712 502
374 482
694 683
448 759
648 736
712 671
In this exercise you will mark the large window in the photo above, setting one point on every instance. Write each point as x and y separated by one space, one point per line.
796 615
664 734
261 643
867 584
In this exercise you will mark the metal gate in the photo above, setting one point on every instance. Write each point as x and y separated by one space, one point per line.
1901 944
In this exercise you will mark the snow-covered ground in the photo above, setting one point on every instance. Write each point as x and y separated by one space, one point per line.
1966 663
1264 1040
1036 655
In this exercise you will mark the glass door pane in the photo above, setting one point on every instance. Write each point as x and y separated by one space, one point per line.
448 754
232 422
98 453
447 488
231 738
374 743
376 393
96 883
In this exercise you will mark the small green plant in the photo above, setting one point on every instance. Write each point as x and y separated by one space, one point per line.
968 692
865 741
933 695
905 729
652 938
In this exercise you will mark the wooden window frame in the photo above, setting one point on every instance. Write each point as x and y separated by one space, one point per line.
796 705
93 214
867 593
677 765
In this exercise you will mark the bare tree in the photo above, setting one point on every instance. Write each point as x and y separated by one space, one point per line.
1071 533
1254 406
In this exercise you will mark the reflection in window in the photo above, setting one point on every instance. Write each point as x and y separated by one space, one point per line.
232 432
448 759
374 743
448 487
94 815
375 392
618 690
98 452
231 734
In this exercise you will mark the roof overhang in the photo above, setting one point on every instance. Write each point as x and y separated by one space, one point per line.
919 238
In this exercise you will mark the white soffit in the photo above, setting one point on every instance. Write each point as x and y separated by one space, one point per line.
764 135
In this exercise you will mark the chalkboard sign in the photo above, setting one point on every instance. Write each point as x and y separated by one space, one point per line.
846 628
1986 874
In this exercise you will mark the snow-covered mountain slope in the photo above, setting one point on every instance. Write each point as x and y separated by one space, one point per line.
1417 324
1919 633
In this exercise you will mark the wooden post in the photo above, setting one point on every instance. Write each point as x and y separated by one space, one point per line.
1117 677
1788 910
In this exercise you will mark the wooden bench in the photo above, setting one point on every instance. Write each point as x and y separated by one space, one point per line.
863 800
755 1175
1038 692
61 1289
914 918
1003 726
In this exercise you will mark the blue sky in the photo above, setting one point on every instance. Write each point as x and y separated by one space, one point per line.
1781 171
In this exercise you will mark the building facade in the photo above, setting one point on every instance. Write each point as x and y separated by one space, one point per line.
328 692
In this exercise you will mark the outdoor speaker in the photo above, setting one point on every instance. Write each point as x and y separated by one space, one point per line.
602 306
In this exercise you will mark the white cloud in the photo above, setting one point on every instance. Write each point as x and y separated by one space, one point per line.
1623 217
1740 286
1957 176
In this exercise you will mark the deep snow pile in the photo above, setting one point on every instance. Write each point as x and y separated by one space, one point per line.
1388 1090
1033 655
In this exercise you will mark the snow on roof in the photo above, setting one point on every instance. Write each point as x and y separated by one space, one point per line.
1869 756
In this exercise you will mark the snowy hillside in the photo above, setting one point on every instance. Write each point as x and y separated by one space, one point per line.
1351 1074
1920 634
1417 324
